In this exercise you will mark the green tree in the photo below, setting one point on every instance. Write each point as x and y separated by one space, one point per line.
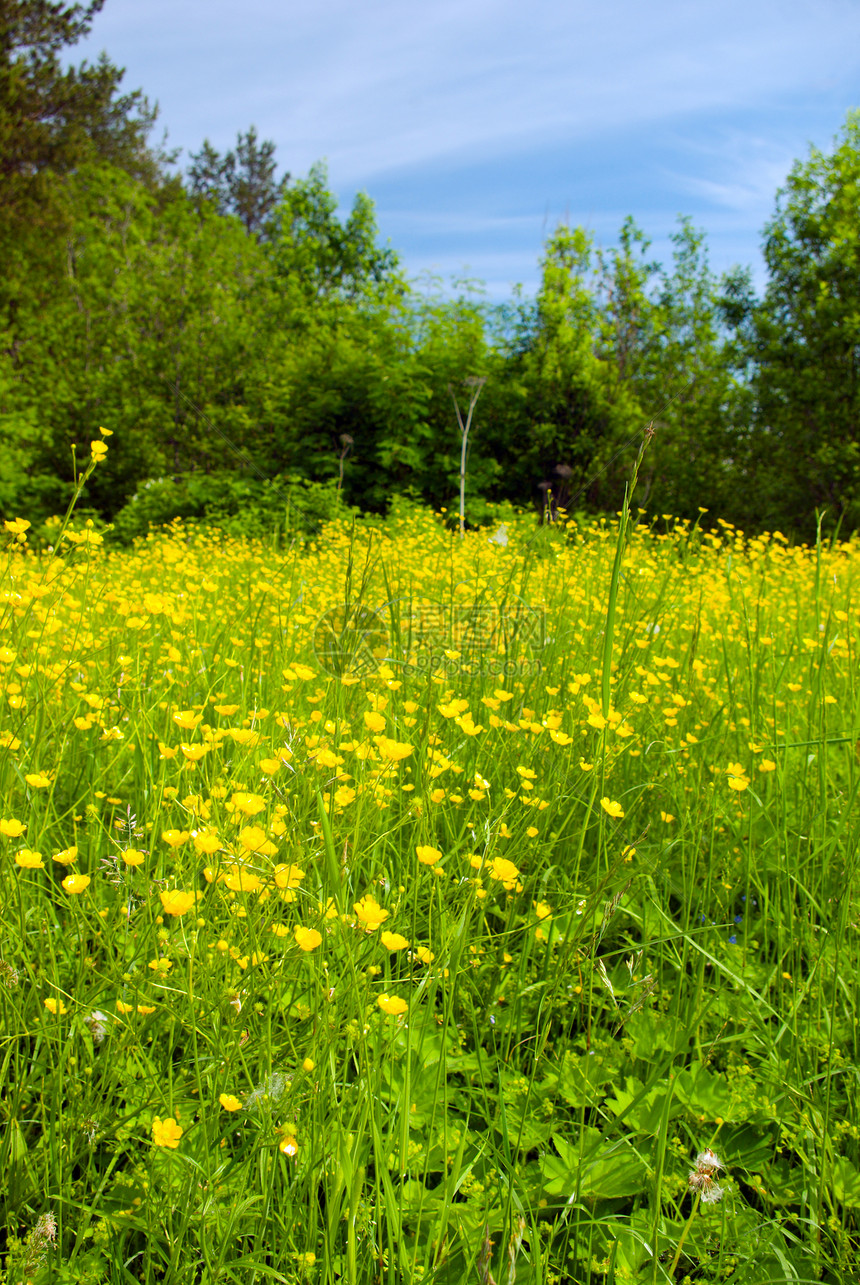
151 333
317 258
805 343
242 182
51 119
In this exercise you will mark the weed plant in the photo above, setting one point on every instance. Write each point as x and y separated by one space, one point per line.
406 908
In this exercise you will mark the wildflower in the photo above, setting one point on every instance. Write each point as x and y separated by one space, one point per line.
738 779
504 872
17 526
288 876
230 1102
253 839
187 719
175 838
393 941
370 913
37 780
11 828
131 857
248 804
374 722
393 1005
67 857
74 884
703 1178
612 809
97 1024
308 1065
393 751
30 860
166 1133
177 902
307 939
98 450
288 1145
428 856
55 1006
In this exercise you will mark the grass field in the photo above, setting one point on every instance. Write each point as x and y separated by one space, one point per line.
405 908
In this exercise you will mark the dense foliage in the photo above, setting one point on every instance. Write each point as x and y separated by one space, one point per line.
244 335
503 925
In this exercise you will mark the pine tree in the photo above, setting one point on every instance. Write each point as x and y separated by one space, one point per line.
52 120
242 182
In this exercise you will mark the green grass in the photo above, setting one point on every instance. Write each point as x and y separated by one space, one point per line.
666 972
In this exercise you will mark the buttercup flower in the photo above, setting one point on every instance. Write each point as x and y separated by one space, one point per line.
74 884
392 1004
166 1133
177 902
612 809
307 938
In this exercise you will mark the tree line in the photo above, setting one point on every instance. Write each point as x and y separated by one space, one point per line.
252 350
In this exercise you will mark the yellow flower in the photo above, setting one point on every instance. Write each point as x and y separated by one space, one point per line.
393 941
166 1133
55 1006
74 884
374 722
177 902
667 817
288 1144
230 1102
542 909
393 751
612 809
98 450
29 860
308 1065
738 779
253 839
288 876
369 913
37 780
187 719
66 857
504 872
124 1008
175 838
207 843
17 526
240 879
270 766
307 938
392 1004
767 765
428 856
132 857
248 804
11 828
424 954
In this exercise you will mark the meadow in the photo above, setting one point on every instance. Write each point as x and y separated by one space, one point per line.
398 907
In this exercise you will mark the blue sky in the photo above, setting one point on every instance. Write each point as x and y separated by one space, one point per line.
477 125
